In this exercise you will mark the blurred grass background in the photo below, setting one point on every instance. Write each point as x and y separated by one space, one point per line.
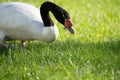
93 53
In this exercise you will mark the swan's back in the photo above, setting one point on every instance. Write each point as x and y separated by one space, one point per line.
20 21
19 14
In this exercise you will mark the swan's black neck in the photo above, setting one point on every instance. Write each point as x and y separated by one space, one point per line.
59 13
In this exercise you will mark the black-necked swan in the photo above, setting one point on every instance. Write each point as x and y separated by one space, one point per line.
22 21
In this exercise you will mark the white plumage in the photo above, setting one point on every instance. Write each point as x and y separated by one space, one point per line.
21 21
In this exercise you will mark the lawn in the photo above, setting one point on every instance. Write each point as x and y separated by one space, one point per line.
92 53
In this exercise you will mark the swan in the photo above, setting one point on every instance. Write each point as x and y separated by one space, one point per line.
24 22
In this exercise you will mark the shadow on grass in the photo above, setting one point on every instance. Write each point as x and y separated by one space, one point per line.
112 46
3 51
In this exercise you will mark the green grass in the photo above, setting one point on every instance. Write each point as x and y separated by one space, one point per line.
93 53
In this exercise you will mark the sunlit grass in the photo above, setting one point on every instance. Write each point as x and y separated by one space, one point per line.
93 53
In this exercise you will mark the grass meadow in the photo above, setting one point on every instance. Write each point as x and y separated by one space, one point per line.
92 53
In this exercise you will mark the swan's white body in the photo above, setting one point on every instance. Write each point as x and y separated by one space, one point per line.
21 21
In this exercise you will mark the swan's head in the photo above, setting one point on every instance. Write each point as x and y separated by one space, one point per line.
64 18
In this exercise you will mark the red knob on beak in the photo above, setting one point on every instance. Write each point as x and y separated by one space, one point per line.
68 24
